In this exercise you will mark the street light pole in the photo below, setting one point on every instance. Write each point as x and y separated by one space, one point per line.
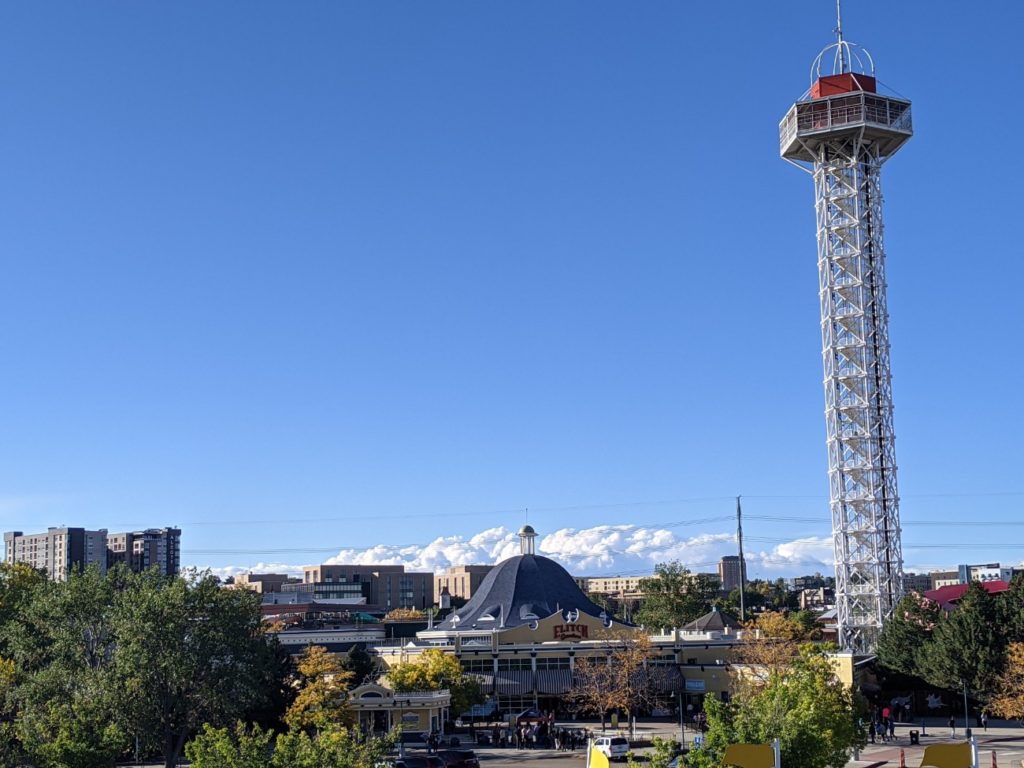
682 723
967 722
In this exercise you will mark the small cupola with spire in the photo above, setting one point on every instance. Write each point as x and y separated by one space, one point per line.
527 545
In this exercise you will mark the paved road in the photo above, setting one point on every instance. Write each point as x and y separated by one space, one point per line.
1004 741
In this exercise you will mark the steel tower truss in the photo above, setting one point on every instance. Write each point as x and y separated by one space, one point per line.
858 394
843 139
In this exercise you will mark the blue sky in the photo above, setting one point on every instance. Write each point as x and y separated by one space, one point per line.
311 277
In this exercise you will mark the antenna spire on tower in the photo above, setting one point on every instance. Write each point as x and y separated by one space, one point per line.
839 36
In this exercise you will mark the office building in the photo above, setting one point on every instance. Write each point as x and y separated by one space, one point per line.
985 572
264 583
917 582
730 573
384 587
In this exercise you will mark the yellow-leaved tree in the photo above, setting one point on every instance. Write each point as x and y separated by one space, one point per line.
1009 699
434 670
323 684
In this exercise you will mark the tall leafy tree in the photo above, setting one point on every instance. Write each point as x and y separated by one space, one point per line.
188 653
621 681
968 646
805 706
361 664
1011 606
674 596
64 697
907 633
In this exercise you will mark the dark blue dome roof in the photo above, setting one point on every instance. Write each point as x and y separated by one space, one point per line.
519 590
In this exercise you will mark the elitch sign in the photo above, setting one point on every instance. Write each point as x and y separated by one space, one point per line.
571 632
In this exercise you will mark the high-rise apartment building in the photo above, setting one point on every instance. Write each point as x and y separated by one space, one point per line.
58 551
140 550
730 572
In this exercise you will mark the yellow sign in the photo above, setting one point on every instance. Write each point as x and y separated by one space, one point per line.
597 759
749 756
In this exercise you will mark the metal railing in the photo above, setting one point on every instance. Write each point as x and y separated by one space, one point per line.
839 111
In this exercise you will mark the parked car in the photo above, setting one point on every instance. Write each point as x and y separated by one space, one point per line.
459 758
612 747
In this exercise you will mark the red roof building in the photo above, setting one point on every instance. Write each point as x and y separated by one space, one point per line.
947 597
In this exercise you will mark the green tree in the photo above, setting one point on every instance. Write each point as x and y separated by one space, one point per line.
361 665
241 747
68 724
1011 607
188 653
805 706
674 596
967 647
19 585
907 633
63 696
435 670
244 747
661 754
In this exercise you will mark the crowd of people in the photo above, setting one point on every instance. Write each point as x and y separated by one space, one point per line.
538 735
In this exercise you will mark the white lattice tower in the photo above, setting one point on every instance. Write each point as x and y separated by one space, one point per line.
841 132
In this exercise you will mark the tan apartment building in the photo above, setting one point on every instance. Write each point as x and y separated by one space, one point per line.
730 573
58 551
462 580
619 586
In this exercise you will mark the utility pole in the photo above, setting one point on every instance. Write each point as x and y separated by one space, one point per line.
743 563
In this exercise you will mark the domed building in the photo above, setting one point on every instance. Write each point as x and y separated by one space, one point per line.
524 591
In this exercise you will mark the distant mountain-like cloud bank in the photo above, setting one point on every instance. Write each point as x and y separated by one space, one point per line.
596 551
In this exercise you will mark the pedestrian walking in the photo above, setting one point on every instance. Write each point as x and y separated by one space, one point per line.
892 729
984 720
952 725
871 731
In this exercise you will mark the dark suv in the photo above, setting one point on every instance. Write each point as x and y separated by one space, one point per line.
459 758
420 761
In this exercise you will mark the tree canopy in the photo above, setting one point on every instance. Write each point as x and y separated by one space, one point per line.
622 680
1008 701
322 683
674 596
251 747
435 670
805 706
97 661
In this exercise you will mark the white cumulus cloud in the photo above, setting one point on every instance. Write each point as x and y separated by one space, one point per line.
598 550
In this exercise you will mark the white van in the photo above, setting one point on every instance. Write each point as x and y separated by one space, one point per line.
612 747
